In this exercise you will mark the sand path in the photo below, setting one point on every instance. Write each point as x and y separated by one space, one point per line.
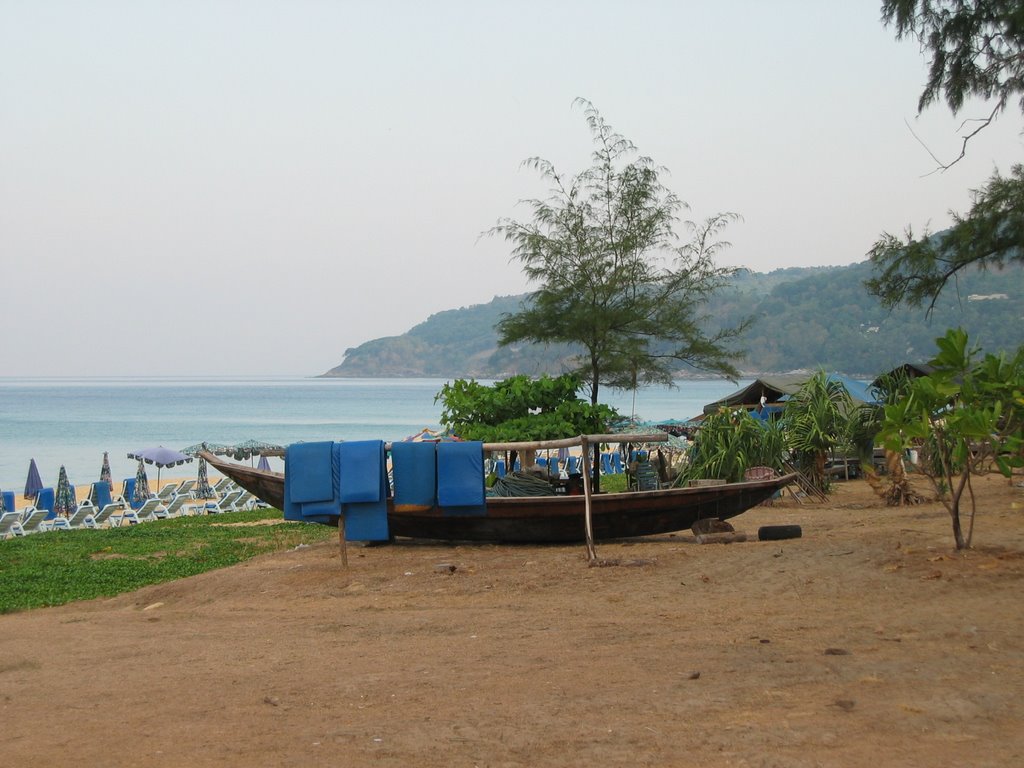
867 642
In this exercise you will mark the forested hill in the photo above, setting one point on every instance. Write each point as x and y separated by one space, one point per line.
805 318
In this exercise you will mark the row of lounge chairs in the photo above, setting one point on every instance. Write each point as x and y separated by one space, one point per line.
114 512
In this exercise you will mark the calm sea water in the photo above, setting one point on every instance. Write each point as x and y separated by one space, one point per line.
73 421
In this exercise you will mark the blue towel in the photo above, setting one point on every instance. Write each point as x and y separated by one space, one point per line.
361 484
309 483
128 490
45 500
309 465
9 501
606 463
460 478
359 465
415 470
100 494
499 467
572 465
617 463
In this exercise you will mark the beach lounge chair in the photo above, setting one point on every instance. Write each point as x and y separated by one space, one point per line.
77 520
102 519
7 521
167 492
46 500
185 489
175 509
246 501
8 497
33 523
143 514
224 504
225 485
99 494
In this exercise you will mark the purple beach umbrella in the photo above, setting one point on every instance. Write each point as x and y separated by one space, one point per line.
161 457
34 483
263 464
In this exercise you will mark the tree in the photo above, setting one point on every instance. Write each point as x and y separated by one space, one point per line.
963 416
817 419
977 50
612 279
731 441
520 409
867 422
915 269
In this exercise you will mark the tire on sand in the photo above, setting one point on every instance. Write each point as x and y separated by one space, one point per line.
779 532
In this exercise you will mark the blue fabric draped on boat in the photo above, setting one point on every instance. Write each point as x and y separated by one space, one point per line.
362 488
415 472
309 483
324 480
460 478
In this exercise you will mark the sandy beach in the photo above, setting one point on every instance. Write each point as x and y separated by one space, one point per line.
867 642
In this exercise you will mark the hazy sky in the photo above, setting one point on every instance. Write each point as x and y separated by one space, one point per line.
253 187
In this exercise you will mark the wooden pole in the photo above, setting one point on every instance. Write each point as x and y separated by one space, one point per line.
342 545
588 520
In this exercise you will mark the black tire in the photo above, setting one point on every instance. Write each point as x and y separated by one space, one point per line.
779 532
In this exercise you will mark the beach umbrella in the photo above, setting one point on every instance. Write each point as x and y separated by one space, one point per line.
161 457
141 485
427 435
249 448
219 449
105 471
64 503
263 464
203 489
34 483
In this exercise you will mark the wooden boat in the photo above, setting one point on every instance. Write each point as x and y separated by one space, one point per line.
556 518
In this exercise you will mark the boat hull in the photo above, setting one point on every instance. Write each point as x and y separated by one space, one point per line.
557 518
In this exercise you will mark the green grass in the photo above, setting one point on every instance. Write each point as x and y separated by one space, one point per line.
613 483
60 567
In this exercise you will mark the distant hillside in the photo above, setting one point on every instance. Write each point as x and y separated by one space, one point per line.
805 318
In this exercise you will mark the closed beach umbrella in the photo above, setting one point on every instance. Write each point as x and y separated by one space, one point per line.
219 449
263 464
161 457
64 503
203 489
34 483
105 472
141 485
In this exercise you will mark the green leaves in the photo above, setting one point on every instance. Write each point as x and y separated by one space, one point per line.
611 277
520 408
964 414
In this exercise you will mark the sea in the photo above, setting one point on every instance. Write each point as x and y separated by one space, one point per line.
73 421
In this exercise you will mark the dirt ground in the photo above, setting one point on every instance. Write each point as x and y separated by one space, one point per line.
868 642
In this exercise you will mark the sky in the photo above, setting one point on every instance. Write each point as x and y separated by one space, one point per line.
251 188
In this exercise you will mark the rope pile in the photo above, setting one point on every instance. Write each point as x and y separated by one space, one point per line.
520 484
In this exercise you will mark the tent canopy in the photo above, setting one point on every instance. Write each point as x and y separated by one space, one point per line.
778 388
